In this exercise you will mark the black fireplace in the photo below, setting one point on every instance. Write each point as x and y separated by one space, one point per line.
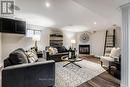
84 49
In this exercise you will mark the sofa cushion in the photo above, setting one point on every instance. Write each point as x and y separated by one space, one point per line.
32 56
52 50
55 51
61 49
115 53
107 58
18 57
60 54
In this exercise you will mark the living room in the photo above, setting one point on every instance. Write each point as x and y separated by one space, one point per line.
61 24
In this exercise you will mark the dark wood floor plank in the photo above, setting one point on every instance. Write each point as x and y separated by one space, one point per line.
110 78
102 80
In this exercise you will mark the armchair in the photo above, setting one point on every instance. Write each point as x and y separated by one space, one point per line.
114 55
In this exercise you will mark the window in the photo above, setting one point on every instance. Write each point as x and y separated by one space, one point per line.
30 33
37 32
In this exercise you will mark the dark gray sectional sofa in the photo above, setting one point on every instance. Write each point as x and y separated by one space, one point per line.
20 73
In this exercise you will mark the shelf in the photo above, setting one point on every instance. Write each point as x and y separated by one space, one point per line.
55 35
110 46
56 40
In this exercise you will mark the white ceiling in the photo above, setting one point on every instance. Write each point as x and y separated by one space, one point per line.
71 13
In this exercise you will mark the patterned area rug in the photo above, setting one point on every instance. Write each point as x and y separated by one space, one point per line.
72 76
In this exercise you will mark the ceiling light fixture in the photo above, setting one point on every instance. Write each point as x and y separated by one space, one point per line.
95 23
47 4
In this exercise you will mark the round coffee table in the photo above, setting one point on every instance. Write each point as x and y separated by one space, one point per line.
71 60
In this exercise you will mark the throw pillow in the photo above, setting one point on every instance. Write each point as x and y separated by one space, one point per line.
52 50
61 49
115 53
35 54
55 51
18 57
31 59
32 56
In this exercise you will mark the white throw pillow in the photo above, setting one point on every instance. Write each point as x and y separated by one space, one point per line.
55 51
52 51
32 56
31 59
115 53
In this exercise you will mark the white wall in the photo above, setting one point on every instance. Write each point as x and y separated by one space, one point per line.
45 39
118 38
67 37
97 43
97 40
11 42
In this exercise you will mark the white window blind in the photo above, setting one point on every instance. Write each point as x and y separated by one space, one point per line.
30 33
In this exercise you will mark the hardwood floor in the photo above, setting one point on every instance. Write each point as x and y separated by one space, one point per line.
91 58
102 80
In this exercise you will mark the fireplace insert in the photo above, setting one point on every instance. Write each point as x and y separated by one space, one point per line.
84 49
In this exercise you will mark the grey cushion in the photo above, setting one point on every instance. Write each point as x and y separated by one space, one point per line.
18 57
61 49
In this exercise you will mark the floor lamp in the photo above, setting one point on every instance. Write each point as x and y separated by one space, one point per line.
73 43
36 38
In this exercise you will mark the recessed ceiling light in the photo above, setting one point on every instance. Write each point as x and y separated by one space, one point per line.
47 4
95 23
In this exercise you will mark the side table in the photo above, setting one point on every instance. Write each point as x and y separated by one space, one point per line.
117 71
40 54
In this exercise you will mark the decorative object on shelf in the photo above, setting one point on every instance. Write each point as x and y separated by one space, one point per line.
84 37
56 40
73 43
36 38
